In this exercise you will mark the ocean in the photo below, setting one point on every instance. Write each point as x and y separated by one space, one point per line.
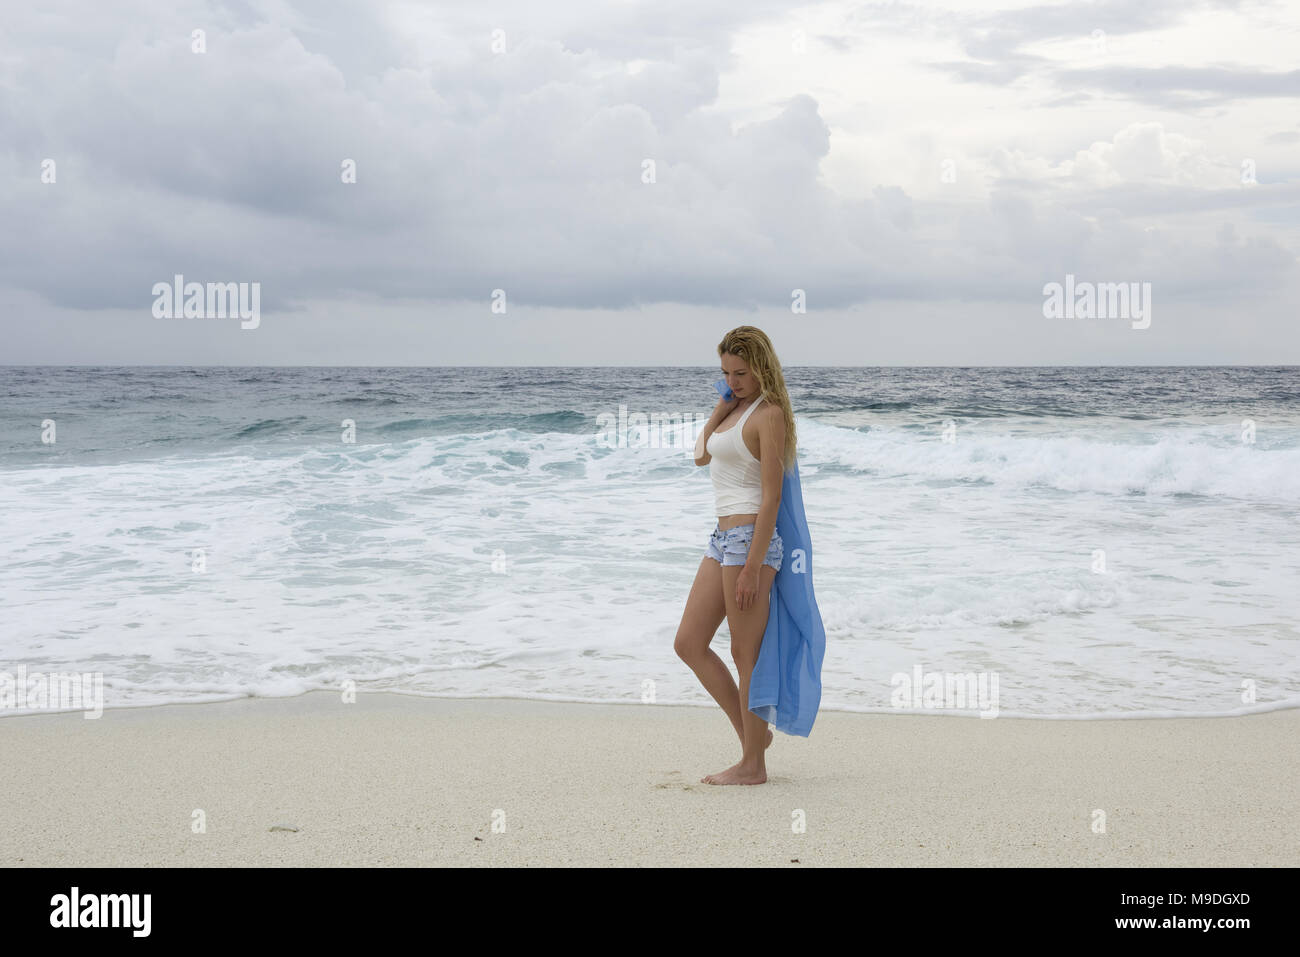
1109 542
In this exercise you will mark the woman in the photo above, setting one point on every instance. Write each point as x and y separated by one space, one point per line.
748 443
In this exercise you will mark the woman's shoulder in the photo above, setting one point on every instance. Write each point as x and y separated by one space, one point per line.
768 416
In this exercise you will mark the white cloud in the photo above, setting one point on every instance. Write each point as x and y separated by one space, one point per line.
1146 153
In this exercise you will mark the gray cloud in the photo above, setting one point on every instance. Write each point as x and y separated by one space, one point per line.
1176 87
523 170
994 42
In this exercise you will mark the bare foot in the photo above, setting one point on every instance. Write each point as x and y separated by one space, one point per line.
736 775
706 778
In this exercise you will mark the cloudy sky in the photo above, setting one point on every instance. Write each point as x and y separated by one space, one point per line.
630 180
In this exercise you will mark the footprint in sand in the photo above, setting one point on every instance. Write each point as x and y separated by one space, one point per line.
675 784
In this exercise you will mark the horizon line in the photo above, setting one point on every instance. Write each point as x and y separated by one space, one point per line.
82 365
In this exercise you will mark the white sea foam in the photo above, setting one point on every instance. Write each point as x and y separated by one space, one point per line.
511 563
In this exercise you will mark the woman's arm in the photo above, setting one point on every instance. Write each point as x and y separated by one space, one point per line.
771 451
702 456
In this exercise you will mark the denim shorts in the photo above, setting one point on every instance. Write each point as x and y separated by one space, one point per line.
732 546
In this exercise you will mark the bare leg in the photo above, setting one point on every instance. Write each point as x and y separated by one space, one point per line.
747 629
705 609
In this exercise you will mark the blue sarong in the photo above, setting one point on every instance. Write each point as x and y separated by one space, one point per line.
786 687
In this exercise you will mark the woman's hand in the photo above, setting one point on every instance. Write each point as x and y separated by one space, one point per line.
746 588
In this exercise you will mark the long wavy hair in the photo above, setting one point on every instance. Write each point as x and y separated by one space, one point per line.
752 345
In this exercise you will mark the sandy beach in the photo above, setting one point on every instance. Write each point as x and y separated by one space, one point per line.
404 780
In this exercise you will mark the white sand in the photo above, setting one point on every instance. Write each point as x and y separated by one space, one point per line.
396 779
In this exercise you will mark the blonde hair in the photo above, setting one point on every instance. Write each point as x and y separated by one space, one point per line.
752 344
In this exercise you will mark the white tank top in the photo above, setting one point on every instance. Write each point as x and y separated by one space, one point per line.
736 474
